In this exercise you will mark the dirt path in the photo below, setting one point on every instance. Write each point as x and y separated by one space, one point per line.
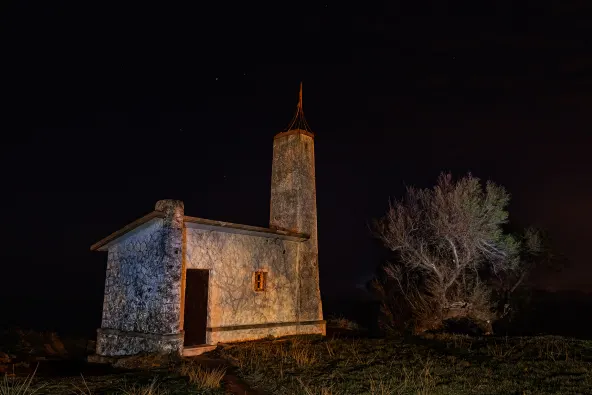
237 386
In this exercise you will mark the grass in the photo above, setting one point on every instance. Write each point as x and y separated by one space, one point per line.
82 389
63 372
131 383
436 364
148 389
431 364
18 386
139 382
203 378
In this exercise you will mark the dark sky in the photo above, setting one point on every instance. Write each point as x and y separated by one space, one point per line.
108 108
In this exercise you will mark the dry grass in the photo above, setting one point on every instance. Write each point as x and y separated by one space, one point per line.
501 350
18 386
417 378
311 390
557 349
151 389
203 378
60 363
296 351
296 359
425 380
140 382
83 389
302 353
329 349
431 364
382 387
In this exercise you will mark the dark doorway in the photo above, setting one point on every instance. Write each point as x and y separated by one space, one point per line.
196 306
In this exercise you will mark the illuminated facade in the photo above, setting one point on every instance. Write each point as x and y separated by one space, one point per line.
176 283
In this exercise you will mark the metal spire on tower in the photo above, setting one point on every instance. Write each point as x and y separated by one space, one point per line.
299 122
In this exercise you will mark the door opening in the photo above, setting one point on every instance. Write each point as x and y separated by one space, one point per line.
196 306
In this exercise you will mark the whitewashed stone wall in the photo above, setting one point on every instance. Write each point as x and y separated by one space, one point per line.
232 260
141 308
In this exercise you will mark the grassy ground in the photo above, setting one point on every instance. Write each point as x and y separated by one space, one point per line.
434 364
443 364
136 383
57 366
154 381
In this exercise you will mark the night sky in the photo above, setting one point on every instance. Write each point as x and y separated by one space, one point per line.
106 110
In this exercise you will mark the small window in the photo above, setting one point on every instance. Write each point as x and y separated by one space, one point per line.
260 281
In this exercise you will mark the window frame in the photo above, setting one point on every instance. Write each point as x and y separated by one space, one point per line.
260 275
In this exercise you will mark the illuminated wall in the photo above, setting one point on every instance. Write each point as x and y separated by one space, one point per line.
294 207
141 307
232 260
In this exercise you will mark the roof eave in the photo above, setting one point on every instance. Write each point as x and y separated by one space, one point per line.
206 224
228 227
104 243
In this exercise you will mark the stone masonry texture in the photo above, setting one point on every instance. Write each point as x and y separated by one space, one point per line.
293 207
143 280
143 288
232 260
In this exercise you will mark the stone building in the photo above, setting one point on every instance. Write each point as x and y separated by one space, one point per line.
177 283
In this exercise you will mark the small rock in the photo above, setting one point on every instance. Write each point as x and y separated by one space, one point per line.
4 358
94 358
49 350
141 361
464 364
57 344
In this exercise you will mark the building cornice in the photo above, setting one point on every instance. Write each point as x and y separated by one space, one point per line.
205 224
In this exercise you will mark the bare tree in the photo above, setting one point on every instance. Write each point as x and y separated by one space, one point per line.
444 238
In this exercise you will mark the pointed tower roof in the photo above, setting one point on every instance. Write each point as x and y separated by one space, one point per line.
298 122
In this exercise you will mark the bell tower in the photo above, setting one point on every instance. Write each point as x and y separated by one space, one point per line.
294 207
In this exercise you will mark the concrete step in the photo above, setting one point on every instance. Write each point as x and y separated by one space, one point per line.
198 350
